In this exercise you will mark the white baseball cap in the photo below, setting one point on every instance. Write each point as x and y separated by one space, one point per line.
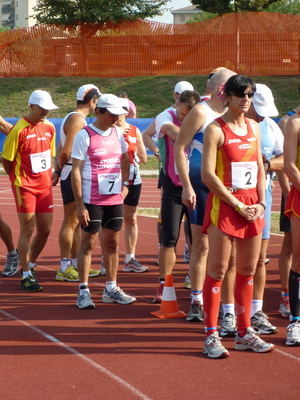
112 103
43 99
263 101
85 89
182 86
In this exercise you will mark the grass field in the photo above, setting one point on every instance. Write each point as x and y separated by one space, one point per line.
151 94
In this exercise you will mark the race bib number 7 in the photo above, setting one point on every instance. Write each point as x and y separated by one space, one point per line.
109 184
244 174
40 162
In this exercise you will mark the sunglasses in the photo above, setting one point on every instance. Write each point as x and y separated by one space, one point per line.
242 94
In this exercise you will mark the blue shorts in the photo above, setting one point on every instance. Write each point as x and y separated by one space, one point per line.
196 216
267 213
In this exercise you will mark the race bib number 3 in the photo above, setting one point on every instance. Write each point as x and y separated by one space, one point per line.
40 162
109 184
244 174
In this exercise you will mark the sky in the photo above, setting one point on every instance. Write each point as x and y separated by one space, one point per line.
167 17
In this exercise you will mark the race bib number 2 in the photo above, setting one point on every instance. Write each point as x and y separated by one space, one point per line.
40 162
244 174
109 184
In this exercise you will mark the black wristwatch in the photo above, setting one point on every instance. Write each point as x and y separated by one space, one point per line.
269 164
126 183
156 154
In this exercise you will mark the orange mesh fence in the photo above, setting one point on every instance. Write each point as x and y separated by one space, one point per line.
249 43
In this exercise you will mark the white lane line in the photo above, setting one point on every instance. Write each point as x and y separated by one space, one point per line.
287 354
92 363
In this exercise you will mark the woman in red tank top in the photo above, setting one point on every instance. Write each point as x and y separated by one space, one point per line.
233 170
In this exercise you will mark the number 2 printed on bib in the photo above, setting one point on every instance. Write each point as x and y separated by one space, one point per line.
40 162
244 174
109 184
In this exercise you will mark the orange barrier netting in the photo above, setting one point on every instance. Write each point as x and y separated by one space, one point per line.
250 43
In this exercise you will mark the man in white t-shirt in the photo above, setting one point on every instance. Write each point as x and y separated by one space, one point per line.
99 181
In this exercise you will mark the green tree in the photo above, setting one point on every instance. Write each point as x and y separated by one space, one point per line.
227 6
285 7
75 12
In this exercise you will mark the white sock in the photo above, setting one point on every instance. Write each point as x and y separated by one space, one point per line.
74 262
197 296
64 264
256 306
26 274
12 253
83 287
129 257
31 265
228 308
110 286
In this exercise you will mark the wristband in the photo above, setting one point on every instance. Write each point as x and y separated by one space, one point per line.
239 206
263 205
57 172
156 154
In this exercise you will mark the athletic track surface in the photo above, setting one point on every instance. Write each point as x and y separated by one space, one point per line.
52 350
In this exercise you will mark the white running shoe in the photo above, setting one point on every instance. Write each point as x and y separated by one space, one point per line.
261 324
251 341
11 265
213 347
134 266
293 334
228 325
84 300
117 296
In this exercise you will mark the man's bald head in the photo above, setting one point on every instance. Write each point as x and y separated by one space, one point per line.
220 78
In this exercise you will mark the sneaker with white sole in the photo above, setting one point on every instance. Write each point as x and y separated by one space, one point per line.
84 300
69 275
134 266
284 307
251 341
293 333
213 347
196 312
93 273
228 325
117 296
261 324
187 282
11 265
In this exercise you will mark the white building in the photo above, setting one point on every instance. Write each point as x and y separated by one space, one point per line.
183 15
15 13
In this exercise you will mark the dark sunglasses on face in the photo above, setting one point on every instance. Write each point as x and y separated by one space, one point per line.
242 94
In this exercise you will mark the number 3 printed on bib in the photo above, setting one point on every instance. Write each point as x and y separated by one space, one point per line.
40 162
109 184
244 174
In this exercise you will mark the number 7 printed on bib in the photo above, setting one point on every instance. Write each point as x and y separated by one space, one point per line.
109 184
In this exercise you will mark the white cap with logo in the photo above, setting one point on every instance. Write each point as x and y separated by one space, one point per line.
112 103
43 99
263 101
84 89
182 86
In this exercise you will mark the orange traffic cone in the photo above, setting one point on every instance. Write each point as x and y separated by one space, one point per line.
169 306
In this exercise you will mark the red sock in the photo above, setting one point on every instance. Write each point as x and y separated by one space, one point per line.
211 303
243 292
